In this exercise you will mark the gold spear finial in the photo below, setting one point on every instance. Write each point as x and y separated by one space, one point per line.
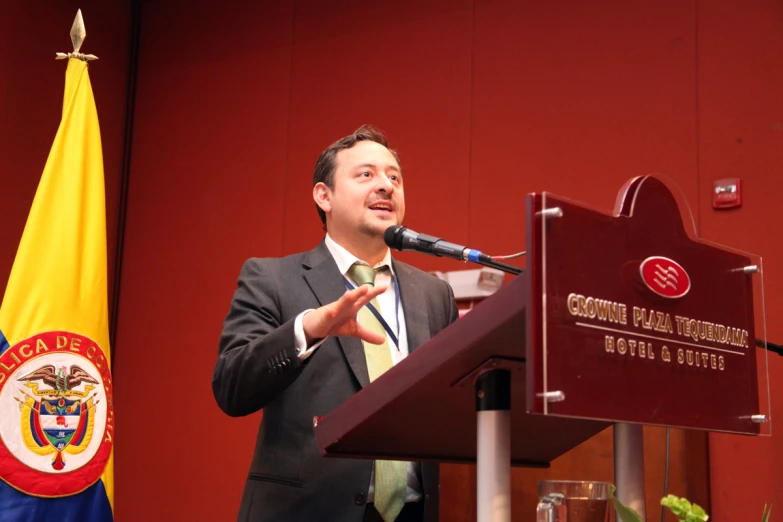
78 34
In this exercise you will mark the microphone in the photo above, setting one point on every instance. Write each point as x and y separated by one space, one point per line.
402 238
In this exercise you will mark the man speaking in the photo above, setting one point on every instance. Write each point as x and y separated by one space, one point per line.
307 331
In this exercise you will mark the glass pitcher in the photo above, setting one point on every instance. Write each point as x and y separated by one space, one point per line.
572 501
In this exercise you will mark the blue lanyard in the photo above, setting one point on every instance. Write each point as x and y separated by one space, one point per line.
378 315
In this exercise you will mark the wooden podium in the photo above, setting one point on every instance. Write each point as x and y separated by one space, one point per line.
626 320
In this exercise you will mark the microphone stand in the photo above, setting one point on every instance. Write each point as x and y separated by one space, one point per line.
509 269
770 346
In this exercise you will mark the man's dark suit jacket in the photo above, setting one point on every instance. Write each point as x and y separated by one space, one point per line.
258 368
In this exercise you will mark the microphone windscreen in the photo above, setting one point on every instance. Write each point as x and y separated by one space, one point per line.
389 236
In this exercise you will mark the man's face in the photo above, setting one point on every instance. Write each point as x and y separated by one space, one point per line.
368 193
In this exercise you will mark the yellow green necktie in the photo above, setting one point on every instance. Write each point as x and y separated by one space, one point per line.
390 475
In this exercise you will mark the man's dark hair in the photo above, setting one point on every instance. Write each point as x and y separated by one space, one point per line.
327 161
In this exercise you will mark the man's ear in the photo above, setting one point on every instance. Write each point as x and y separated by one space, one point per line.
322 195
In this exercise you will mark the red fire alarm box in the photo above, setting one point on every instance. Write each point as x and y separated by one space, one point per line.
727 193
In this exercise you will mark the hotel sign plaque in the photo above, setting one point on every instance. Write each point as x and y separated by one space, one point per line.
633 318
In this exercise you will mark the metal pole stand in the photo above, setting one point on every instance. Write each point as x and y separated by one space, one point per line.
629 466
493 457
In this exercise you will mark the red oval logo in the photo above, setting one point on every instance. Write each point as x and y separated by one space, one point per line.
665 277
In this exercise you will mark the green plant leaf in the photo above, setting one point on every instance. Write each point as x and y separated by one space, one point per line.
765 514
684 510
624 513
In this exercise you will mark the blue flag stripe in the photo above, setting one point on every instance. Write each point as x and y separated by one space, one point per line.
3 343
91 505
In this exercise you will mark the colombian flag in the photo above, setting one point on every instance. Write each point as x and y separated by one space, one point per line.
56 392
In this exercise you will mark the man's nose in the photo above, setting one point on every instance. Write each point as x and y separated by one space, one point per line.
384 184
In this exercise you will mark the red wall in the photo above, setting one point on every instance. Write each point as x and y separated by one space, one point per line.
740 74
208 190
485 100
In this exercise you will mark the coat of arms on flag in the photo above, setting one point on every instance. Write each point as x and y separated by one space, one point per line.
61 385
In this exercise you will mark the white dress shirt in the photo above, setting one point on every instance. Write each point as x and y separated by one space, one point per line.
387 302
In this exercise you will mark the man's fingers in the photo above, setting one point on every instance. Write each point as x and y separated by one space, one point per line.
348 300
359 297
378 290
366 335
351 296
351 302
369 296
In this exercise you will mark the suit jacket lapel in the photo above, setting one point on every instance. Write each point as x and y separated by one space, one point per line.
414 307
325 280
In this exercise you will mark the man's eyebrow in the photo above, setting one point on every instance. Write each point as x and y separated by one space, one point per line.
372 165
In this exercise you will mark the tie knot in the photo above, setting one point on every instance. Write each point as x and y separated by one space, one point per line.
364 274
